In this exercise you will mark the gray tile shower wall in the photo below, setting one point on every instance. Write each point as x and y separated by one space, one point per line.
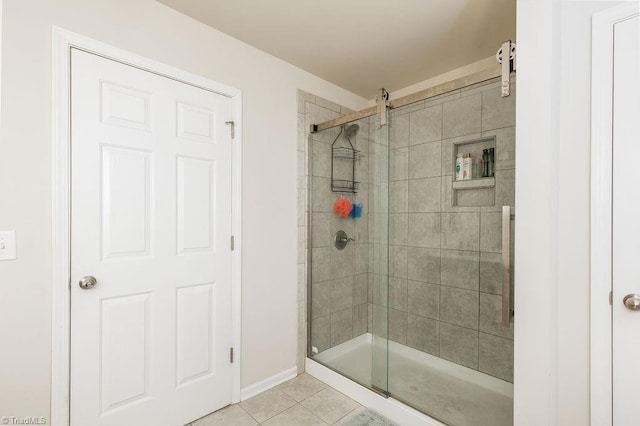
339 283
445 262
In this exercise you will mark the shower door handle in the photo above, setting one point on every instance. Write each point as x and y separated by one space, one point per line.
506 266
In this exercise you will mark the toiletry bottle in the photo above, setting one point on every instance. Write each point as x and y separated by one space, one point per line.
491 162
466 166
459 165
485 163
477 168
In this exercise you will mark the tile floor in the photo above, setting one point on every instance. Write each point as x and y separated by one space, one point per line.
303 400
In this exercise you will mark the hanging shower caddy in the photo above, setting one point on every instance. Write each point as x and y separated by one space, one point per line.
347 156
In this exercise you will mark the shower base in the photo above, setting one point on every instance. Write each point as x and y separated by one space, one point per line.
443 390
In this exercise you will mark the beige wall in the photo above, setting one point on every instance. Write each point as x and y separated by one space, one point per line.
147 28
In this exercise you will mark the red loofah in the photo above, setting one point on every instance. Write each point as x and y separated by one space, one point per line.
342 207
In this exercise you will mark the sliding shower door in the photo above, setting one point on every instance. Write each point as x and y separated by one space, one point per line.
450 328
349 215
413 299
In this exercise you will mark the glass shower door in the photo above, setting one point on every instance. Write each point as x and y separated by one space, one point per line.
348 288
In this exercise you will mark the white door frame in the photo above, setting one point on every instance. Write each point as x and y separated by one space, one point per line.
601 181
63 42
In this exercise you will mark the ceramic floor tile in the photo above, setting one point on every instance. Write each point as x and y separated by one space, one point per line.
267 404
302 387
330 405
231 415
295 416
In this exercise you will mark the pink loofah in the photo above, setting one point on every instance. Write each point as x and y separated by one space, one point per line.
342 207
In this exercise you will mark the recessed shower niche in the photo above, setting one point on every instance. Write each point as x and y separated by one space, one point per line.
478 190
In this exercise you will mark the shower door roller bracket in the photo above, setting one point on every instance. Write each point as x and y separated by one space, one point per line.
508 65
382 100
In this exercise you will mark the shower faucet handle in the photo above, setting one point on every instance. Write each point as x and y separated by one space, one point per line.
340 240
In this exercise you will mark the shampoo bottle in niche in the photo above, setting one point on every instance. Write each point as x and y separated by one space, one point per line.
491 166
459 165
467 165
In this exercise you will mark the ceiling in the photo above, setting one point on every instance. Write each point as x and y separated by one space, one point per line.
362 45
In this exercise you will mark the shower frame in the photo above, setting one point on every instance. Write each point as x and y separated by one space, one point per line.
431 92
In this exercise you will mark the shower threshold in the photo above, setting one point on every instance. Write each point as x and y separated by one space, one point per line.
444 390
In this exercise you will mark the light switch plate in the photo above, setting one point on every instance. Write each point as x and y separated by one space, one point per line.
7 245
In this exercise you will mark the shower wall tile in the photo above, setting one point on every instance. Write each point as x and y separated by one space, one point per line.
321 333
496 356
360 289
491 273
321 196
462 116
398 293
342 262
498 112
442 99
398 202
399 164
302 98
321 154
342 294
321 264
321 230
423 264
399 131
493 84
423 334
381 290
424 230
423 299
461 231
321 102
425 160
362 228
491 232
476 198
505 187
301 157
424 195
406 109
460 269
491 316
398 228
361 262
302 207
398 261
321 300
459 307
360 313
301 282
447 202
459 344
341 326
398 326
425 125
505 153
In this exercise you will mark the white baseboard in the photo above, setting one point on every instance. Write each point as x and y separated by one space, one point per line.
268 383
391 408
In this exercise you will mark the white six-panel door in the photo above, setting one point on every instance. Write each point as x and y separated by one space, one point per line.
151 221
626 222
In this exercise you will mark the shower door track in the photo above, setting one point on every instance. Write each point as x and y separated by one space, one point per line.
437 90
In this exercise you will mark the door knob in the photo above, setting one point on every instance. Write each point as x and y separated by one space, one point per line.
632 301
88 282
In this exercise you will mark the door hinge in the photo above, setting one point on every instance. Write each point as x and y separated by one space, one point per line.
233 128
231 355
233 243
611 298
